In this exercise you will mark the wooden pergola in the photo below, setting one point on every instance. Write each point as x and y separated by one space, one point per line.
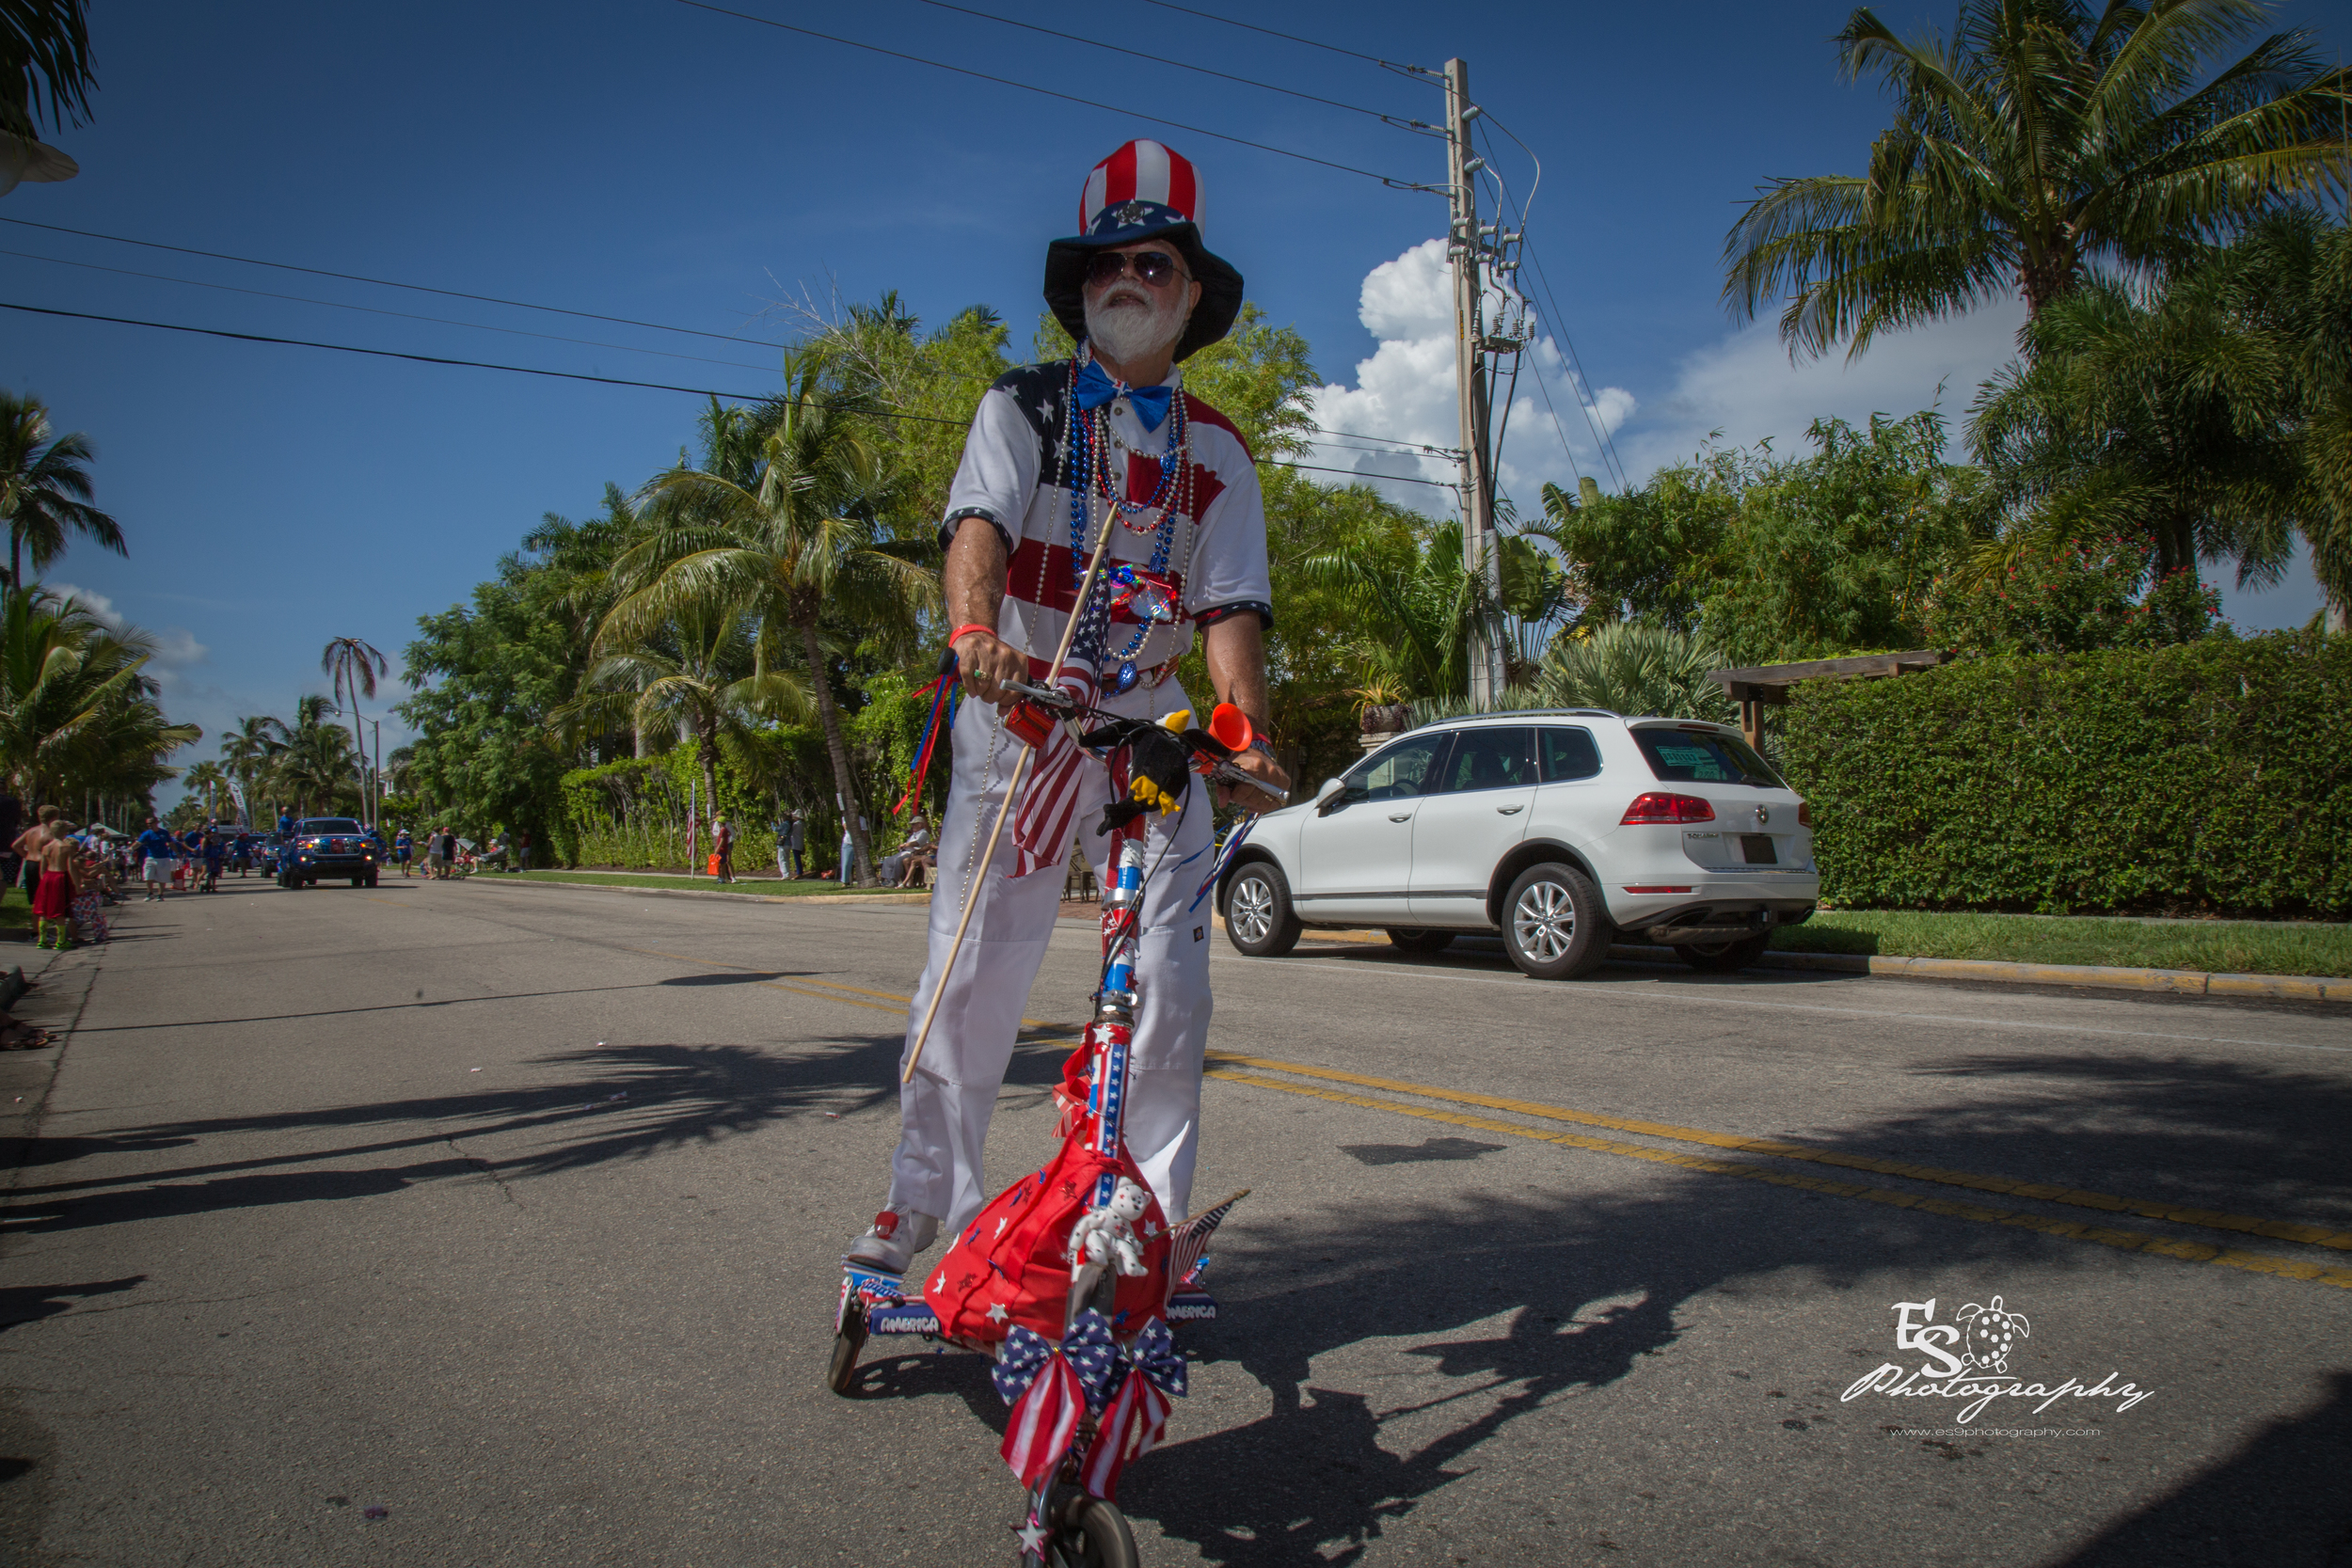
1767 685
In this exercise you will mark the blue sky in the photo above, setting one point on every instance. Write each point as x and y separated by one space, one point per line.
645 159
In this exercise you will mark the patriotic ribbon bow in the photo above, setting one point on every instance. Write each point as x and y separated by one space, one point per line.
1157 1357
1088 1348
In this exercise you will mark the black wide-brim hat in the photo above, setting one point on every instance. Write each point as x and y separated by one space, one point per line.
1144 191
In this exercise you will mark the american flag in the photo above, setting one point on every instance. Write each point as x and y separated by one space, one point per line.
1188 1240
1049 801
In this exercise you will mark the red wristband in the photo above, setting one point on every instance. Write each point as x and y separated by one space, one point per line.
957 636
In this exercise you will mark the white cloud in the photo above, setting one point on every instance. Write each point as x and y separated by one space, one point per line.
1743 387
1746 387
176 648
97 604
1405 393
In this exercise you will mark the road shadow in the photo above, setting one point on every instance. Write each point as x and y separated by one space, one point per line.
2294 1478
27 1304
2238 1137
614 1103
1520 1302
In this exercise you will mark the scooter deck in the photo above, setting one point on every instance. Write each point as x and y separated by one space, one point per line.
882 1302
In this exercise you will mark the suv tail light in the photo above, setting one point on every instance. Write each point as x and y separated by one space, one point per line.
1661 806
1804 814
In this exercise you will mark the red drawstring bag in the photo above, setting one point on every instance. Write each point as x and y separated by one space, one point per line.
1011 1265
714 865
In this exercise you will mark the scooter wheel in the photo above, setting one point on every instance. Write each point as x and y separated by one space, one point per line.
1089 1532
842 1373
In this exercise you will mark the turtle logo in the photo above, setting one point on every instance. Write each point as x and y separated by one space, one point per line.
1129 214
1989 1334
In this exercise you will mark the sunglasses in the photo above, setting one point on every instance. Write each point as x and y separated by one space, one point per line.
1154 267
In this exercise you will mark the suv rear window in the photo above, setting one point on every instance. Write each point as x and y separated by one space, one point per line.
1703 756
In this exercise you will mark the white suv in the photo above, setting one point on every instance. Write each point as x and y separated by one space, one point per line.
1558 827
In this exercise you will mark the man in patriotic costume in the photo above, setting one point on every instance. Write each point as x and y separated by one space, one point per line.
1053 451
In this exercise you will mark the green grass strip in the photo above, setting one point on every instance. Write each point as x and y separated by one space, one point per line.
2217 946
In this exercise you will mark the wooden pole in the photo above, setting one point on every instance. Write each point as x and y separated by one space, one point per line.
1012 791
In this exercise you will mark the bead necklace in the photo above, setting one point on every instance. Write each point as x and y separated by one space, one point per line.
1085 458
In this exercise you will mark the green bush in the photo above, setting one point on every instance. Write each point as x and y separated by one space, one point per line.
2209 777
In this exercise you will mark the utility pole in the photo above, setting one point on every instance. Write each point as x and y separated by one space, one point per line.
1466 251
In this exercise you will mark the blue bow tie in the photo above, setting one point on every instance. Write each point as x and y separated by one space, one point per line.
1096 388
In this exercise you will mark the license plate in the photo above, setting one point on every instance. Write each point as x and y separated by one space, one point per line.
1757 849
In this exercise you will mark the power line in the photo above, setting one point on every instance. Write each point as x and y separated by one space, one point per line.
1357 474
419 358
379 282
1045 92
374 310
1604 446
1160 60
562 375
1583 382
1293 37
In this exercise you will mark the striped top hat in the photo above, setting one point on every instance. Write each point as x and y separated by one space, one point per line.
1144 191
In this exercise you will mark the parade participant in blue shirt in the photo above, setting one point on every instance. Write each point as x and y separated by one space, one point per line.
156 851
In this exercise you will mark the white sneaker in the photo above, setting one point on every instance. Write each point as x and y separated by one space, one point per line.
892 1240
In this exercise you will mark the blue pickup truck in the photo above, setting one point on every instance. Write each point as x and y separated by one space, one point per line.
329 846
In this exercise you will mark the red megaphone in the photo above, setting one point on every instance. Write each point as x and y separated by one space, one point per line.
1229 726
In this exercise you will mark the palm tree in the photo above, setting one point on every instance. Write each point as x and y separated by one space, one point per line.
208 777
354 666
1633 668
317 766
45 53
687 673
1428 608
2162 419
45 488
2042 142
247 750
781 525
76 712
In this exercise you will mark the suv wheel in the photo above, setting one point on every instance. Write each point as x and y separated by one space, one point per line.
1722 958
1412 939
1259 920
1553 923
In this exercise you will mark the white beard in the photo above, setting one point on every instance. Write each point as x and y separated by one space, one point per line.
1130 332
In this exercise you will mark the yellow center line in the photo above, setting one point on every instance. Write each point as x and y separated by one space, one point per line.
2129 1241
2146 1208
2125 1241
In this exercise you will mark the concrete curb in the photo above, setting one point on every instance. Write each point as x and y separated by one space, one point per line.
737 898
2174 982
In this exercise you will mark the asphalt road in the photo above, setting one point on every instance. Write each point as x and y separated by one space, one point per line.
513 1212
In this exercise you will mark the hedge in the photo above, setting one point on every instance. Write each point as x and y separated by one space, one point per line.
2208 777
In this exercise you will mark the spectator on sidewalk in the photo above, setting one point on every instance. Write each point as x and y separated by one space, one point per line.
27 845
53 901
436 855
800 845
721 849
522 850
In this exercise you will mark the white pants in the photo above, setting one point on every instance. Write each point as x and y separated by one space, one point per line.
945 1108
